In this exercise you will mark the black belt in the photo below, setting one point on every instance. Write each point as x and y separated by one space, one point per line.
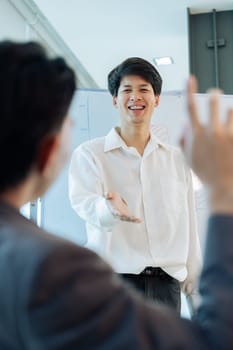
153 271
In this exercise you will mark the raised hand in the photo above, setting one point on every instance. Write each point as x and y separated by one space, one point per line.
210 149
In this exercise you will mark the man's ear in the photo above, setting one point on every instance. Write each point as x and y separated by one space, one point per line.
157 99
114 101
47 152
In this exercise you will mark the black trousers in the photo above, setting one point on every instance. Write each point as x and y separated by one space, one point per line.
156 284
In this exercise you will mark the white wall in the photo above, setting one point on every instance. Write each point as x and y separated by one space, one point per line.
12 23
103 33
22 20
17 24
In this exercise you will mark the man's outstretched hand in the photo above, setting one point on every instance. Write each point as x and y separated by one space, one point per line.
119 207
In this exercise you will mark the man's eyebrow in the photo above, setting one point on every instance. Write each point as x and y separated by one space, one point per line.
140 85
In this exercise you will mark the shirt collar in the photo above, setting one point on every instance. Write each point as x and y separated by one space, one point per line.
114 141
154 141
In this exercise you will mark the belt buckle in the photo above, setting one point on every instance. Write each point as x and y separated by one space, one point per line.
148 271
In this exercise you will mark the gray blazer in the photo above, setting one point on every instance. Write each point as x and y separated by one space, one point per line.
57 295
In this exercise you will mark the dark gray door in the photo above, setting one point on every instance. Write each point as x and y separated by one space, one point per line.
211 49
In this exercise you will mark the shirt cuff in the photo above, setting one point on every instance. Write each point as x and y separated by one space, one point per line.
106 217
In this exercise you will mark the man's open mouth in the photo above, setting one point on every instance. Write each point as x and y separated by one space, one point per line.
134 108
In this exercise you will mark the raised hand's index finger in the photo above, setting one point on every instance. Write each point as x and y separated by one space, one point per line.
214 108
192 105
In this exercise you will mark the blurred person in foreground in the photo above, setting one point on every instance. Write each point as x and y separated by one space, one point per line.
57 295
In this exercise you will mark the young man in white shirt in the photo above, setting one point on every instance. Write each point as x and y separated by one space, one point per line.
130 176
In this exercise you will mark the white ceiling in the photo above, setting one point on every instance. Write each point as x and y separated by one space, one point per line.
101 33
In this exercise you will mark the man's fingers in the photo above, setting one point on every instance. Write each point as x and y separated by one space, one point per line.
229 120
192 106
107 195
214 108
124 201
130 219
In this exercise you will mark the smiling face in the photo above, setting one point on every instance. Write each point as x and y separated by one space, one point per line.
135 100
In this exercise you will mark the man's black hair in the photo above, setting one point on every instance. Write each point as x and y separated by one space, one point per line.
35 94
134 66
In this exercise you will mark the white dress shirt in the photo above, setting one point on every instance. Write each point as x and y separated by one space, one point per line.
157 188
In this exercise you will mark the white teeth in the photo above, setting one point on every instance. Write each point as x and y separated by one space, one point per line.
136 107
